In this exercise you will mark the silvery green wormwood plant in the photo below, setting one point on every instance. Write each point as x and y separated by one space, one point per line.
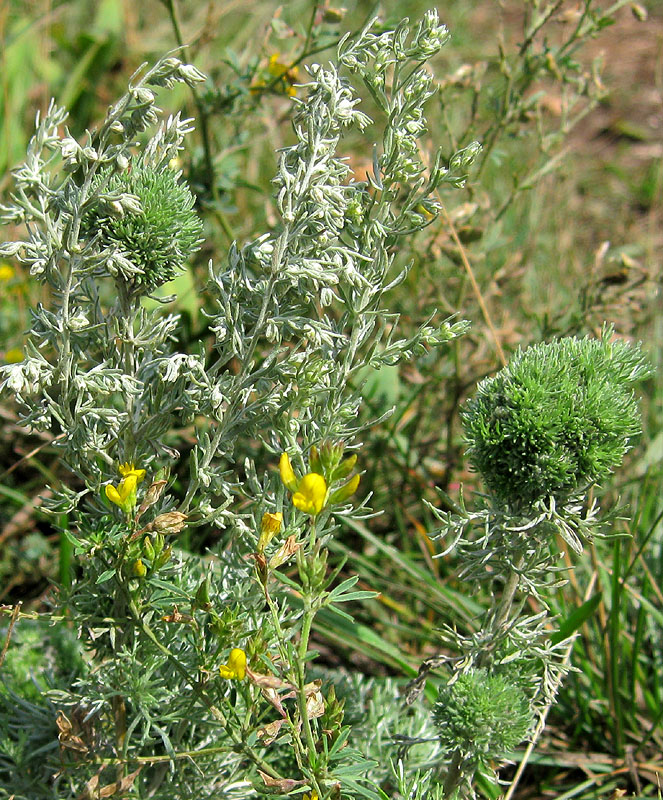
198 679
552 423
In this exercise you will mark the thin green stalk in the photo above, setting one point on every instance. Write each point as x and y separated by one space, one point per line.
454 775
66 553
300 672
128 309
202 112
614 651
506 601
456 772
302 650
541 723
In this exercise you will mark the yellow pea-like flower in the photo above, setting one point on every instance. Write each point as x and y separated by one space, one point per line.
235 667
315 491
124 494
128 469
290 74
270 525
287 473
311 494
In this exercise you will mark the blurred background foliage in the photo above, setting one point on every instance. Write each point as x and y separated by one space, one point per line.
558 229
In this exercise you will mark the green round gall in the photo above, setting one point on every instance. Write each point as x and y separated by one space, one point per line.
482 716
559 417
157 234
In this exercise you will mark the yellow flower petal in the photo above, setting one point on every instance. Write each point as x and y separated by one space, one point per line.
128 469
235 667
311 494
127 486
269 527
113 495
6 272
125 493
237 662
287 473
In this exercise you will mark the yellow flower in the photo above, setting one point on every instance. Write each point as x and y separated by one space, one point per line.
311 494
287 473
128 469
312 796
14 355
124 495
277 69
315 491
270 525
290 74
6 272
235 667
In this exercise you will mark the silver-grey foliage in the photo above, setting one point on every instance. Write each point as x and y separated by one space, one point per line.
300 313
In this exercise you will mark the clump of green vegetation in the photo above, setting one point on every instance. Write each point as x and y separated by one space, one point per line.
559 417
482 715
158 234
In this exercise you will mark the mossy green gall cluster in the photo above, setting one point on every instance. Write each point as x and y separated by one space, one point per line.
157 240
482 715
557 418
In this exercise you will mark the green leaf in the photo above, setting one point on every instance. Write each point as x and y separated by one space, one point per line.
341 613
106 575
577 617
364 594
80 545
347 584
340 741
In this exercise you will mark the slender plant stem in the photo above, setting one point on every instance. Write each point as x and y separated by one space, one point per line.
453 776
15 613
456 774
475 286
202 112
508 596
